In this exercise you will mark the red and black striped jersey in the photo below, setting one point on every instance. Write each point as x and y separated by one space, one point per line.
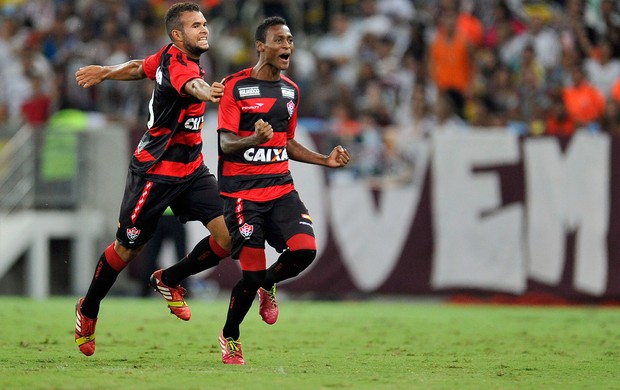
170 151
258 173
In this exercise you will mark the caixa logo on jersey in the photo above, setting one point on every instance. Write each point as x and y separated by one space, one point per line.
194 123
265 154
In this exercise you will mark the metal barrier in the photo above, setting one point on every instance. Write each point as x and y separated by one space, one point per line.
17 171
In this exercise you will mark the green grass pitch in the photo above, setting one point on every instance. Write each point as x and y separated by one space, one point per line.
314 345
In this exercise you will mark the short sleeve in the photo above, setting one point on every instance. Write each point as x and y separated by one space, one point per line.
228 114
150 65
181 71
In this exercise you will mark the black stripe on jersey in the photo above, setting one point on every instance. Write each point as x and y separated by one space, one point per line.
241 183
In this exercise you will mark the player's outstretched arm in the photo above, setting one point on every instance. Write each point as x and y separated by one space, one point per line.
339 156
91 75
200 89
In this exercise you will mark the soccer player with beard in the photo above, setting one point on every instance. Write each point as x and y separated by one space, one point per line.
257 118
166 169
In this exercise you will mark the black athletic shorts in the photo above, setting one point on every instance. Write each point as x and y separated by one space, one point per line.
252 223
144 202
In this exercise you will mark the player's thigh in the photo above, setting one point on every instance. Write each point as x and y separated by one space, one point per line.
143 204
199 201
288 217
245 222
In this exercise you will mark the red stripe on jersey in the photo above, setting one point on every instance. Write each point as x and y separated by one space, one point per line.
186 139
181 115
261 194
234 169
279 139
159 131
138 207
143 156
175 169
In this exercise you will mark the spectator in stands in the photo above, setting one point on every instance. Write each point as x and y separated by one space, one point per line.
557 120
584 103
544 39
417 122
468 24
450 63
446 118
602 70
529 77
604 17
339 46
36 109
504 21
574 31
503 93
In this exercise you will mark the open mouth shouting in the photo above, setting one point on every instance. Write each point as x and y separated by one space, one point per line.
285 57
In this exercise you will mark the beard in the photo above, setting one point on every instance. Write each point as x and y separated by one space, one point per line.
193 49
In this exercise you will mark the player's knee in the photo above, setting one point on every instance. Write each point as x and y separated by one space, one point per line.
252 280
223 241
302 259
127 254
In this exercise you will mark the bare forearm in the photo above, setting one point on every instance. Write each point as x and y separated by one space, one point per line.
200 89
298 152
130 70
232 143
92 75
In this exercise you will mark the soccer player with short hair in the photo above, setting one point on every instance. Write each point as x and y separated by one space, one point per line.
257 119
166 169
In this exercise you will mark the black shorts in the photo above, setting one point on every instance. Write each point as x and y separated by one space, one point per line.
252 224
144 202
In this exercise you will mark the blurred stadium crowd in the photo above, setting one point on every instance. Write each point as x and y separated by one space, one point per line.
378 75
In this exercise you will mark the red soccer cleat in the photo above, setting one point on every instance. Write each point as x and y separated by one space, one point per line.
231 350
268 308
172 295
84 330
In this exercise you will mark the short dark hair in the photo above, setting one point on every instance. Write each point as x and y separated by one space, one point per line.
173 15
261 30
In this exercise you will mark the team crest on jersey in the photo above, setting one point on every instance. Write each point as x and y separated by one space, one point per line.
246 230
290 106
288 93
249 91
133 233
